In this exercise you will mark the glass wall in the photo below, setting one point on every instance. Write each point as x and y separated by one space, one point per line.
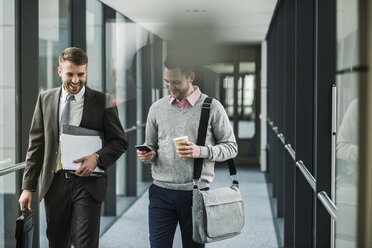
246 113
94 36
116 82
228 85
121 62
54 36
141 38
347 160
7 111
347 124
246 89
129 75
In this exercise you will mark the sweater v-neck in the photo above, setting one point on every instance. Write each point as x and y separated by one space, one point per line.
189 108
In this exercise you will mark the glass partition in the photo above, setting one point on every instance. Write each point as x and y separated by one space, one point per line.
113 71
94 36
346 181
7 118
246 113
121 79
145 84
346 160
246 89
8 202
347 34
54 36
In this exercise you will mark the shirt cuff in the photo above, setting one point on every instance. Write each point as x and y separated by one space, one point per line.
204 152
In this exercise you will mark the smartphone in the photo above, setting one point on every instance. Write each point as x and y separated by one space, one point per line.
143 148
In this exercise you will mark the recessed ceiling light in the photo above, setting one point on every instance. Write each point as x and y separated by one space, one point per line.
196 10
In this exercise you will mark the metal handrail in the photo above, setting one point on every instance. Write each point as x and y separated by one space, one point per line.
281 137
271 123
5 161
290 151
22 165
134 128
275 129
141 125
12 168
328 204
333 144
131 129
310 179
333 159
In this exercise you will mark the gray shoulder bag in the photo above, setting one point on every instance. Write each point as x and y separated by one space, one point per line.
217 214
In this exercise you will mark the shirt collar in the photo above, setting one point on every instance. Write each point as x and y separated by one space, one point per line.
192 98
78 96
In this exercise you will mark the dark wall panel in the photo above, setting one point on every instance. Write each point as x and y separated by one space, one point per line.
304 120
325 68
289 125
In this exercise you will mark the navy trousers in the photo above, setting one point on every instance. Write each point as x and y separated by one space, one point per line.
167 208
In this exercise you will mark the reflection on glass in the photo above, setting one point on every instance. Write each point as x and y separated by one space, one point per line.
246 114
347 161
125 45
143 41
7 83
247 96
94 30
228 85
7 199
2 220
7 108
347 34
54 36
120 54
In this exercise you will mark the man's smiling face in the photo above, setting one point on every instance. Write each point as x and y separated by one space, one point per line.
73 76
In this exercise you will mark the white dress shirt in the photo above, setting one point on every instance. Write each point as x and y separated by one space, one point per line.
76 106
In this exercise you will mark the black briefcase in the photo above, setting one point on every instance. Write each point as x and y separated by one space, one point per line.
24 229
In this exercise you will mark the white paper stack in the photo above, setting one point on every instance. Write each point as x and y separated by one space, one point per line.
77 146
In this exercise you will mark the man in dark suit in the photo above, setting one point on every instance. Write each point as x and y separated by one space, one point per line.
66 194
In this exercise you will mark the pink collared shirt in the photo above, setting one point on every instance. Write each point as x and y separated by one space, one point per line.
188 101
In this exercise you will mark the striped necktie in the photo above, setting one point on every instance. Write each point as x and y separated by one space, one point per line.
64 120
66 110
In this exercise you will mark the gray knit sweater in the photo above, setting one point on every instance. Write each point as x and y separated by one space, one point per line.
167 121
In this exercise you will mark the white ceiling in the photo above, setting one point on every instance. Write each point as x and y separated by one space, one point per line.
228 68
222 21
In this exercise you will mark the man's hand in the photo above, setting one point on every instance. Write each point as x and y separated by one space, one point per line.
89 164
145 156
26 196
188 149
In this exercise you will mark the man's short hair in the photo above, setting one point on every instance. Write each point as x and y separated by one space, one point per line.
184 66
74 55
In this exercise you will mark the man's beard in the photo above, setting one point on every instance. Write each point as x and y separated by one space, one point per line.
182 93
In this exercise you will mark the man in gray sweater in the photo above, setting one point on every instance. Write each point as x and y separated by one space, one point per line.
175 115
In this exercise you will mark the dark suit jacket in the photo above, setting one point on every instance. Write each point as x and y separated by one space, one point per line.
98 113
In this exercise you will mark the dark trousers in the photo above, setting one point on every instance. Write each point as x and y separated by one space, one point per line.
167 208
68 200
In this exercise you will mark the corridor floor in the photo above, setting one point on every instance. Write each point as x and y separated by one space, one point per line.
131 230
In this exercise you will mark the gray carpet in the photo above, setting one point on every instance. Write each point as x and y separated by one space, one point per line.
131 230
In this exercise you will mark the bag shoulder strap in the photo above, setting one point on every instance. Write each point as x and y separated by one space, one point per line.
202 134
203 124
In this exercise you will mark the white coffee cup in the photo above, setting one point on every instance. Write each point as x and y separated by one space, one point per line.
179 139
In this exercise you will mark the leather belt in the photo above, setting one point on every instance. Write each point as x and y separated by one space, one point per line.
65 174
